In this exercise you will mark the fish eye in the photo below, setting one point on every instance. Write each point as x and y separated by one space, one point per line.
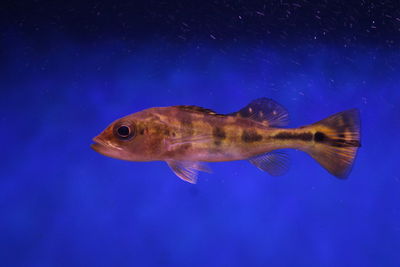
125 132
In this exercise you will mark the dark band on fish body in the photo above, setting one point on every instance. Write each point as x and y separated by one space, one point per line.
340 142
344 143
296 136
186 122
187 125
319 137
354 143
251 136
219 135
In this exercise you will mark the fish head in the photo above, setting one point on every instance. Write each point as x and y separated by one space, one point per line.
128 139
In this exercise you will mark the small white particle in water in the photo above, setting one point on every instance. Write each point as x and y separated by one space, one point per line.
364 100
212 36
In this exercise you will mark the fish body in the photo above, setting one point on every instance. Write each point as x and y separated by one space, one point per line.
187 136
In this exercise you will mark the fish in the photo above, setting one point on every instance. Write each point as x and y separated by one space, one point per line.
187 137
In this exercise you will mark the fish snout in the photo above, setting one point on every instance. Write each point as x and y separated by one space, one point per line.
98 144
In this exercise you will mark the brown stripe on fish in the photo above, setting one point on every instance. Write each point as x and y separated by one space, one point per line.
186 124
296 136
250 136
219 135
166 132
344 143
320 137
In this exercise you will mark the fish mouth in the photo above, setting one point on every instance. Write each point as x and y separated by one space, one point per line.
99 145
105 148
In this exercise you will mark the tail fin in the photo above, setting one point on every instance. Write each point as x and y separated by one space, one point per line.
336 141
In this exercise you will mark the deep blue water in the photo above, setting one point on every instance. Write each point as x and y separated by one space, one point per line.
62 204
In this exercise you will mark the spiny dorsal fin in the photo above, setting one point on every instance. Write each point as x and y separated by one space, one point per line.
197 109
266 111
275 163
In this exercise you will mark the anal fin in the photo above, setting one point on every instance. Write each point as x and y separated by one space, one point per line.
275 163
187 170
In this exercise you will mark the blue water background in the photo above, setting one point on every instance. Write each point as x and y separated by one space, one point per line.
62 204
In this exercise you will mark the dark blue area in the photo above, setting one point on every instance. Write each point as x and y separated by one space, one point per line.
62 204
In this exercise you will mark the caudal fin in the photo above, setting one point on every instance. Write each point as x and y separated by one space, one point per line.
336 141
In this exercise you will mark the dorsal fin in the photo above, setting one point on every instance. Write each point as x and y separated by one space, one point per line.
197 109
266 111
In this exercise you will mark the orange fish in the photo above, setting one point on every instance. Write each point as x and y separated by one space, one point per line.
187 136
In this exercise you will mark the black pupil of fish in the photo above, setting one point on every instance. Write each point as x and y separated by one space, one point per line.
123 131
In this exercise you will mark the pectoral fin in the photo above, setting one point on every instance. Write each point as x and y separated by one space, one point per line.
172 143
275 163
187 170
